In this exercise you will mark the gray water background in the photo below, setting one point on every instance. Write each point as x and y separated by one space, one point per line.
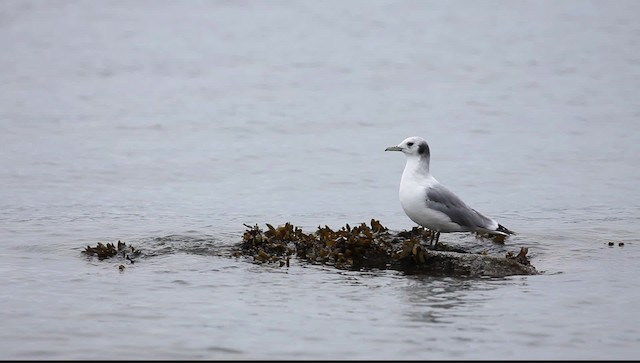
170 124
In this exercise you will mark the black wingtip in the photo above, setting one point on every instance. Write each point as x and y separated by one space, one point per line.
504 229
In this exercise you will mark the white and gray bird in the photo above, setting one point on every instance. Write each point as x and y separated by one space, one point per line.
430 204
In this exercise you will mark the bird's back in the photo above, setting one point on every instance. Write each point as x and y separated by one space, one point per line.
432 205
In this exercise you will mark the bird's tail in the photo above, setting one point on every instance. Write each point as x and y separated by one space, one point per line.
504 229
500 230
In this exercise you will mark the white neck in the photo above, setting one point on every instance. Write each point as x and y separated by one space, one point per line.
416 167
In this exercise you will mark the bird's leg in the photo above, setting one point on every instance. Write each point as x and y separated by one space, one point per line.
433 236
437 236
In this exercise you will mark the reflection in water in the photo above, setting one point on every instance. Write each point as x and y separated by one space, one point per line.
436 300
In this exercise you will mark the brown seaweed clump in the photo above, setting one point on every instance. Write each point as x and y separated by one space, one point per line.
521 257
373 246
272 245
110 250
360 246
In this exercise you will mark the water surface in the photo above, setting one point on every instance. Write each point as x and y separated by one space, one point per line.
168 125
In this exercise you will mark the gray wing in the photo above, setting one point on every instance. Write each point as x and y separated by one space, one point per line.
443 200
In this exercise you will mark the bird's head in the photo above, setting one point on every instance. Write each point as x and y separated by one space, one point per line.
412 146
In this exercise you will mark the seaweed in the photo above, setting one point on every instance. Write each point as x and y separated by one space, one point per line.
374 246
110 250
358 247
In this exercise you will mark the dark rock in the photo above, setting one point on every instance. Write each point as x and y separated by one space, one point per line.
364 247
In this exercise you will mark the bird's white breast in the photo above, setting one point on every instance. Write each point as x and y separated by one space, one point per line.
413 190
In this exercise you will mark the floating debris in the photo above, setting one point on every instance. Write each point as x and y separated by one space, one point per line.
373 246
110 250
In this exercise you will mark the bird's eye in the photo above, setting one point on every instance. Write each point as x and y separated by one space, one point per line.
409 144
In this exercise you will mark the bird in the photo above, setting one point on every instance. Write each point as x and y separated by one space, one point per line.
432 205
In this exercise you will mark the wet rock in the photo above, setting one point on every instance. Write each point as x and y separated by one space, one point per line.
373 246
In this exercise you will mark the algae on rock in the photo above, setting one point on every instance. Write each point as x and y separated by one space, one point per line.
374 246
359 247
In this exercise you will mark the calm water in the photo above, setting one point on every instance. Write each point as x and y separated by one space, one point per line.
169 124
